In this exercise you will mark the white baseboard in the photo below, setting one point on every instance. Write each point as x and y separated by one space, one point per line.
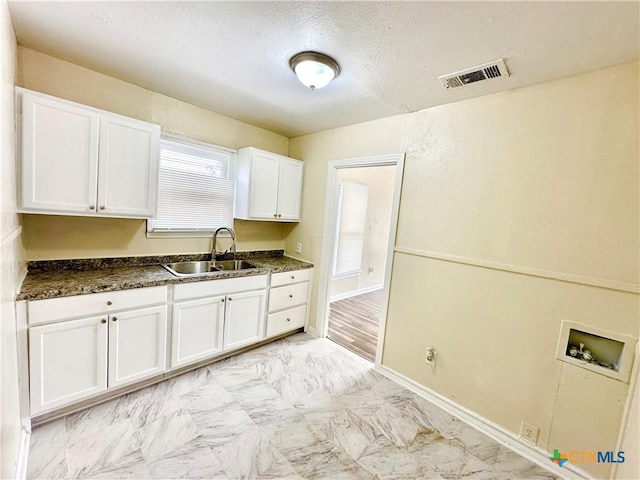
23 455
311 331
353 293
499 434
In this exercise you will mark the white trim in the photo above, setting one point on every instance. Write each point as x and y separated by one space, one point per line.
496 432
635 371
355 293
23 454
534 272
175 234
311 330
11 235
328 236
22 274
393 231
342 276
178 137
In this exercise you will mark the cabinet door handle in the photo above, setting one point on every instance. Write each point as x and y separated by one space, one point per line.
92 207
109 303
222 300
104 320
279 215
230 298
102 207
114 319
275 215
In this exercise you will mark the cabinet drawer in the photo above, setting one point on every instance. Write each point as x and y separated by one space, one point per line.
50 310
286 320
210 288
289 296
287 278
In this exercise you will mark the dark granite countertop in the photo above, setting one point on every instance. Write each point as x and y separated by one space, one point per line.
62 278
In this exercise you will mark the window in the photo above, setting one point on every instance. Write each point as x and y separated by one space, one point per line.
195 189
352 217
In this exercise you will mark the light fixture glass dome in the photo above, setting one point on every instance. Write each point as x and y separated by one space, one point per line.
313 69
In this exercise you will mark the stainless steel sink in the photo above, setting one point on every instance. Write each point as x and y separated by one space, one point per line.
233 265
188 269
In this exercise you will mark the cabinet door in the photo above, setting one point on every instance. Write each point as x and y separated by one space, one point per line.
197 330
263 186
128 175
67 362
289 190
59 156
244 319
137 345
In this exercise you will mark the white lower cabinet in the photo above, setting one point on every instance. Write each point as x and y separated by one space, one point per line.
244 319
74 359
137 345
288 301
290 319
86 345
216 316
68 362
197 330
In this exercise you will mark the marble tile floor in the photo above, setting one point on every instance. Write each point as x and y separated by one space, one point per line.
298 408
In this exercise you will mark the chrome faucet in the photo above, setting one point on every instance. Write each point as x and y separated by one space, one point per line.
215 238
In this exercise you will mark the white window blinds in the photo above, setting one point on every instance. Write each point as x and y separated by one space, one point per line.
352 219
195 188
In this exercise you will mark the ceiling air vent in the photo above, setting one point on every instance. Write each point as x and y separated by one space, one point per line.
494 69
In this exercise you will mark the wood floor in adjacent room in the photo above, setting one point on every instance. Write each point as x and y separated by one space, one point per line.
354 323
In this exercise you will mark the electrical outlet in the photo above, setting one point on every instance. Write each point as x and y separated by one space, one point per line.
299 247
529 432
430 356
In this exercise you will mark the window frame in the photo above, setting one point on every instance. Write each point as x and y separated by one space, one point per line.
189 142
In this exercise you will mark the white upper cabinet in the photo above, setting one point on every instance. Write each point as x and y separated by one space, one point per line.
268 186
127 150
77 160
59 156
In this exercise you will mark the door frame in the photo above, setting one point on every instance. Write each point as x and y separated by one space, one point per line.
329 238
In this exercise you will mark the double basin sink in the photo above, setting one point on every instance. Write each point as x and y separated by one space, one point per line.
188 269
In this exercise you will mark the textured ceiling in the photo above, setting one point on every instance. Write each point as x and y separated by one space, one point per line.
232 57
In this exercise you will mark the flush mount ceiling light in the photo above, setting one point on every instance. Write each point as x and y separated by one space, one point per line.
313 69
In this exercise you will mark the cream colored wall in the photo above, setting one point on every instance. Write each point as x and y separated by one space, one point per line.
54 237
11 255
513 207
380 181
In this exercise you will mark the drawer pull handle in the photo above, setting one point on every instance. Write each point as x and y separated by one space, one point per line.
290 296
109 303
114 319
288 319
103 321
293 277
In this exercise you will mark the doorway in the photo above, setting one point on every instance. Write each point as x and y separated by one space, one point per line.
359 234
